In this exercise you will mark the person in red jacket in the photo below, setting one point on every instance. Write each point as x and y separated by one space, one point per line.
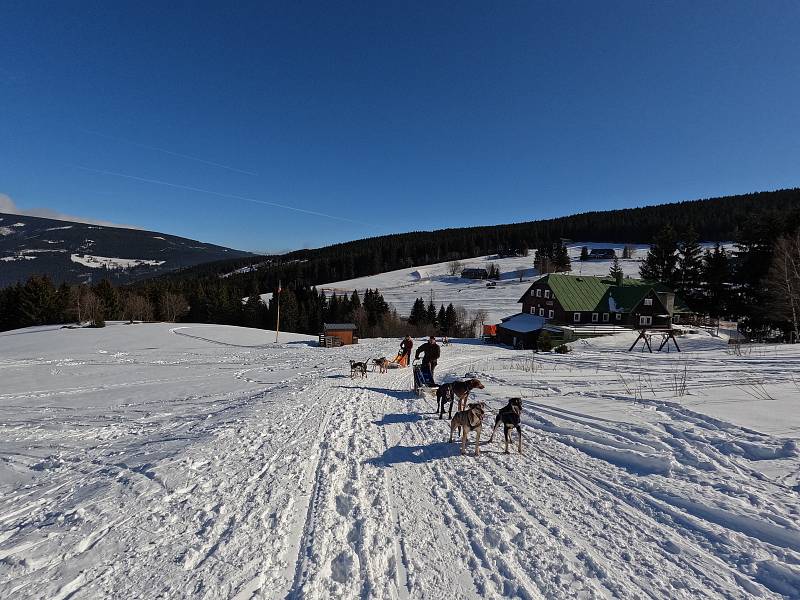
405 349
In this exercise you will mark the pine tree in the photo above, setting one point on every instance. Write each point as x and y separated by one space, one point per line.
37 301
689 268
584 253
109 296
254 310
716 276
430 315
660 263
417 316
441 319
450 320
615 272
561 258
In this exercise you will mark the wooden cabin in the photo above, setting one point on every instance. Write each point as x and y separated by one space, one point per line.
473 273
602 254
338 334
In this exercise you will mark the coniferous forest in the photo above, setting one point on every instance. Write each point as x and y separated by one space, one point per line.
744 283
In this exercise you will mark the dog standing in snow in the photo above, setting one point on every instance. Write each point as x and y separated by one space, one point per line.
468 420
509 416
358 368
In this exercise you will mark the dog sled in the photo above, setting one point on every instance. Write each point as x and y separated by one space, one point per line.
399 361
423 381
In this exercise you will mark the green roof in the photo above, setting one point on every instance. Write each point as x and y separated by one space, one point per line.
626 297
578 293
586 293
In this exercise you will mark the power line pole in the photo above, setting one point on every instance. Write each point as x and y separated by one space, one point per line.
278 321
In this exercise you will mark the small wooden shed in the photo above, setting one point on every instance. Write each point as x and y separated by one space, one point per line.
337 334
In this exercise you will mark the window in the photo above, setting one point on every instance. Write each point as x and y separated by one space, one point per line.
539 293
619 316
541 312
550 314
533 293
547 293
576 317
606 317
533 311
645 320
648 302
594 317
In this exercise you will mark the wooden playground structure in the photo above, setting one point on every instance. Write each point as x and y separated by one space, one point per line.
665 336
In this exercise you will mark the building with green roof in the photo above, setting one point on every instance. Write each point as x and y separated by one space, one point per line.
580 300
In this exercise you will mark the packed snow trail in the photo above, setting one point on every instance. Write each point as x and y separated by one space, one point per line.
207 462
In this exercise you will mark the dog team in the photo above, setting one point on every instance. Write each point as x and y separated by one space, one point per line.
469 415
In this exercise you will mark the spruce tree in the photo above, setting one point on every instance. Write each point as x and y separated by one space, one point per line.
660 263
561 258
716 276
450 320
584 253
430 315
109 296
441 319
689 268
418 315
615 271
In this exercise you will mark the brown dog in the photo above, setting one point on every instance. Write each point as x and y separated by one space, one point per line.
382 364
456 389
469 420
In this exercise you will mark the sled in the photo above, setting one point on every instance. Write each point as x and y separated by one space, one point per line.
398 361
423 382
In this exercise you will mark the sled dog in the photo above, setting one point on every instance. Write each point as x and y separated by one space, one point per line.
468 420
509 416
456 389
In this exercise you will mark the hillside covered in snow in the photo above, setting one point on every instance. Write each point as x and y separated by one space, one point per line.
75 252
434 282
155 460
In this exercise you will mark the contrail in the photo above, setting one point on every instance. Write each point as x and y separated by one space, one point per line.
221 194
165 151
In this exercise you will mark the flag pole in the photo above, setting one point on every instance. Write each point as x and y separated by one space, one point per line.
278 322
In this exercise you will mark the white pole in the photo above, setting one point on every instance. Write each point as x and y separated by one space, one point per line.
278 321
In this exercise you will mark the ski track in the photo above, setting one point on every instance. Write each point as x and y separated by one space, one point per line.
304 483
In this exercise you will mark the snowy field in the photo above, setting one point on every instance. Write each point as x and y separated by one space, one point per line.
144 461
401 287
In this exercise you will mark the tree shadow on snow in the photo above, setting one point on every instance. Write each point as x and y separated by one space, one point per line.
400 394
415 454
394 418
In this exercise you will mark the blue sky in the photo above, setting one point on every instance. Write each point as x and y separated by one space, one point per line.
380 117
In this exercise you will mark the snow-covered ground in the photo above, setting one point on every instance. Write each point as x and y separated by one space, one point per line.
98 262
401 287
208 461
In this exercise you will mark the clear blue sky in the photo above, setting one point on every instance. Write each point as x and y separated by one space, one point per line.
400 116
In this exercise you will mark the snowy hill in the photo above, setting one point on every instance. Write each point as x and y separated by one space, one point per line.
71 252
208 461
401 287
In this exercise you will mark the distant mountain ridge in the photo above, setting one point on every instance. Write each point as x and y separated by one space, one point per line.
72 252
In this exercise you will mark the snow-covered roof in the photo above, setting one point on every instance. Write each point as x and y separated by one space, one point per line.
420 274
522 323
